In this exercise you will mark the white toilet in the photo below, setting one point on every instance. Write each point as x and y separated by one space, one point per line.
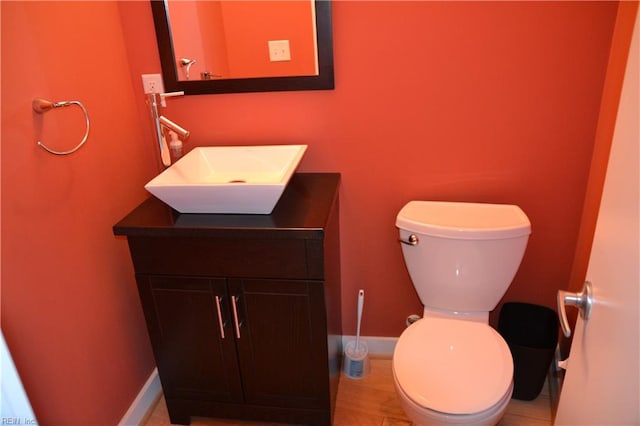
451 367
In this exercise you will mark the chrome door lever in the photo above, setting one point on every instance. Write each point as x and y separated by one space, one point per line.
583 300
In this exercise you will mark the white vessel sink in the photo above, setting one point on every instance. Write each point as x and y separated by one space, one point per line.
228 179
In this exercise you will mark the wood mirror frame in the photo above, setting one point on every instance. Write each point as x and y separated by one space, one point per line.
323 81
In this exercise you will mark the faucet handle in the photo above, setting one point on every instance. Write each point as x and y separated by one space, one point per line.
163 96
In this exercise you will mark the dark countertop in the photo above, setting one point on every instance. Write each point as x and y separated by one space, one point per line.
302 212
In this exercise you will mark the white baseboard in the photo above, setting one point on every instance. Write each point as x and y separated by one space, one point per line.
141 407
380 346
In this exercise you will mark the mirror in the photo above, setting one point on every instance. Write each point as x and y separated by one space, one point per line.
205 48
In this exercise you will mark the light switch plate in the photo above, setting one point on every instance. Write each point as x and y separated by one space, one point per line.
279 50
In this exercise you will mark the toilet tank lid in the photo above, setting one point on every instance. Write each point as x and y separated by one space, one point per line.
464 220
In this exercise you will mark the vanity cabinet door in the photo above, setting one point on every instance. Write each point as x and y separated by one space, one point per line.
282 345
191 328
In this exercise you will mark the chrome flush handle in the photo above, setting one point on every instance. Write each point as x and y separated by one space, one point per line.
411 241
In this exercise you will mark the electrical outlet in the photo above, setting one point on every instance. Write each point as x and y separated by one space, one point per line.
152 83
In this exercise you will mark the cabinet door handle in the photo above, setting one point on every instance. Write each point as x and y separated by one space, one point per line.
221 323
234 302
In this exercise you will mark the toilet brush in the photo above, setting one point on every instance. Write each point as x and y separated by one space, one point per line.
360 304
356 354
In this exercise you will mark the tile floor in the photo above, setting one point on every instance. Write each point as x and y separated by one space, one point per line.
372 401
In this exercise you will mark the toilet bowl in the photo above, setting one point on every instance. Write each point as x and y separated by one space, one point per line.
450 371
451 367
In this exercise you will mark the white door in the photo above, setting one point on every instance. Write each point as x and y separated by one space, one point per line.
602 381
14 404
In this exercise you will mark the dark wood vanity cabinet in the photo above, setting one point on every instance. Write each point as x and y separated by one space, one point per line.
243 311
197 360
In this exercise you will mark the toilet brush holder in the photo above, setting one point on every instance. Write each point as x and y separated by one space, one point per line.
356 360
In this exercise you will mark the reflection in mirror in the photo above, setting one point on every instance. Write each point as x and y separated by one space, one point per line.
243 39
226 46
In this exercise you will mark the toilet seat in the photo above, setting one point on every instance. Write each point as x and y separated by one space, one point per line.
453 366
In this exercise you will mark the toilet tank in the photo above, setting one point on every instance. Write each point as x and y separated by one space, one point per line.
466 254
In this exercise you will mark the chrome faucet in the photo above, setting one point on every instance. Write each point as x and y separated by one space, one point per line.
186 64
165 129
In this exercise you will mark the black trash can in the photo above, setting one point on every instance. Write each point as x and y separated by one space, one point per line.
531 331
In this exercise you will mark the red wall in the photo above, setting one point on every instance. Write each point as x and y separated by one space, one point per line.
603 138
474 101
70 310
